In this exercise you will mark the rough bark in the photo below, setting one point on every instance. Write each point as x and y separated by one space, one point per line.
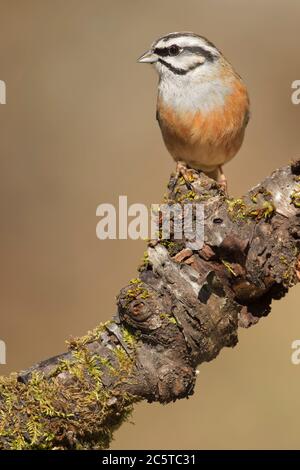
184 307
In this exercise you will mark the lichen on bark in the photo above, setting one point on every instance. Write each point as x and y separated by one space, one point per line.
65 404
185 305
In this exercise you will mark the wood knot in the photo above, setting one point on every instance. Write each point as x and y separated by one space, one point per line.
138 306
175 382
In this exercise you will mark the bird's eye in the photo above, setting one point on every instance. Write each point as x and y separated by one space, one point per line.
174 50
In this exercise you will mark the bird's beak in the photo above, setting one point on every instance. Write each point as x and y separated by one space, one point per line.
149 57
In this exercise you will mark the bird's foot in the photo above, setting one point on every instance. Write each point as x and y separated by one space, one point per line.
222 180
187 175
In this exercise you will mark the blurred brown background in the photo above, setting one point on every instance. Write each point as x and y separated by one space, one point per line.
79 129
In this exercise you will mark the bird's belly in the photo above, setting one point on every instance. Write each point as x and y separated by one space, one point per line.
205 140
201 155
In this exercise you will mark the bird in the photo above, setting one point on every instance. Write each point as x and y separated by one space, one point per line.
203 105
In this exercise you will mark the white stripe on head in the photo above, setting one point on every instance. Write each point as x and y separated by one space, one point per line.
185 39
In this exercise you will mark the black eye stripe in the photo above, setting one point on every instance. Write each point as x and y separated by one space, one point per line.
201 51
165 51
162 51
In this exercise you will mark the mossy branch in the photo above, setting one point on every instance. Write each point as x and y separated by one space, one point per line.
185 306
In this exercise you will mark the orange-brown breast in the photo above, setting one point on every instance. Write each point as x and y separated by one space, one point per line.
206 140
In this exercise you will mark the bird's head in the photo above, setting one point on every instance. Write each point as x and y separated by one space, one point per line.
182 54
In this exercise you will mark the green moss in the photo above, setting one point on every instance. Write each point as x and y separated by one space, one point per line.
229 268
268 209
106 363
295 197
51 413
145 263
135 281
92 335
188 196
289 273
166 198
170 318
138 291
264 212
123 358
129 338
173 247
238 209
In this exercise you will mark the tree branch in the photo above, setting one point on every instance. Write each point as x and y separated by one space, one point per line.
185 306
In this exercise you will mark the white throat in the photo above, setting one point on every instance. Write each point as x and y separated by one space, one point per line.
192 93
